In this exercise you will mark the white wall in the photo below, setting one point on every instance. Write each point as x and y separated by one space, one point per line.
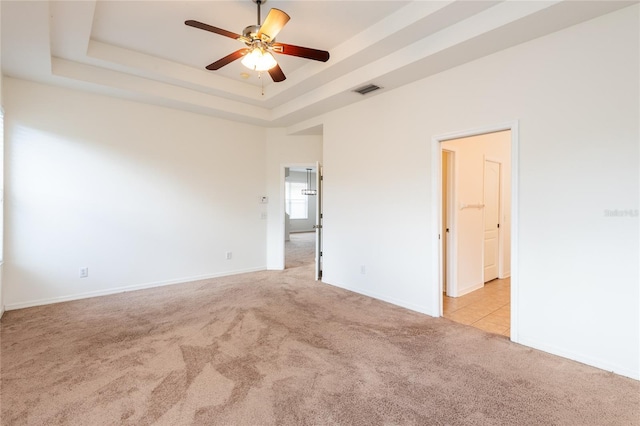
284 150
141 195
575 94
2 228
469 156
304 225
1 177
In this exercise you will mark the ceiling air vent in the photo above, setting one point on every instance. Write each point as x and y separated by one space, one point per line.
367 89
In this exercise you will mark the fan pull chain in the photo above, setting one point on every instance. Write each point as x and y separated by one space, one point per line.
261 82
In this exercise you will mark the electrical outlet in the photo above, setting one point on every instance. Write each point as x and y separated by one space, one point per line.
84 272
229 255
363 269
263 215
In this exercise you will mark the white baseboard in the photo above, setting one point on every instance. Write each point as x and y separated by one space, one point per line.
115 290
594 362
404 304
470 289
275 268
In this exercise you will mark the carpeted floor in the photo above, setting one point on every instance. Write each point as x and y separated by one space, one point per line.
277 348
300 250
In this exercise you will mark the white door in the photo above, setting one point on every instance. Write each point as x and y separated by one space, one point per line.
448 254
445 219
318 224
491 219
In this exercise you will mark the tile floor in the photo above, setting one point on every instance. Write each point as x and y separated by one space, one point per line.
488 308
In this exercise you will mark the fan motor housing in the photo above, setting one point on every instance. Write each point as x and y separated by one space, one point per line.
251 31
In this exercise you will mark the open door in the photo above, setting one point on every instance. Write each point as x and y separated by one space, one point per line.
318 225
447 254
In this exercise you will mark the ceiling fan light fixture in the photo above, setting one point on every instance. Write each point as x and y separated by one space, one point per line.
260 42
259 59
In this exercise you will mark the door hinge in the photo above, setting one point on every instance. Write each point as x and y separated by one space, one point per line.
498 225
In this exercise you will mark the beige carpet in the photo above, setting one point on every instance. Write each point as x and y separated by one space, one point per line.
273 348
300 250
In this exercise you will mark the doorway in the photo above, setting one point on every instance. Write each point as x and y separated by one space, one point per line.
475 242
302 215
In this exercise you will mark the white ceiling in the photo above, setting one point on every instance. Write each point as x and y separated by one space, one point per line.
142 50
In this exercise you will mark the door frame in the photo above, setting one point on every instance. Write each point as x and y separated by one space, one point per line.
451 273
318 225
436 214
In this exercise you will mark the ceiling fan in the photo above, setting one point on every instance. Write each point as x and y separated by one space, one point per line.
260 41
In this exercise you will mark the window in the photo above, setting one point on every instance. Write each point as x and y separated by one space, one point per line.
296 205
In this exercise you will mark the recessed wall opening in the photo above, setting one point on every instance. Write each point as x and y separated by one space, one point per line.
475 226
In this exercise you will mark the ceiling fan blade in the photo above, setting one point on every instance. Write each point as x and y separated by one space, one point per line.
207 27
302 52
276 74
273 23
227 59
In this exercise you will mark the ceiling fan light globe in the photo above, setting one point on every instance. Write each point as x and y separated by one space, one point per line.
259 60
